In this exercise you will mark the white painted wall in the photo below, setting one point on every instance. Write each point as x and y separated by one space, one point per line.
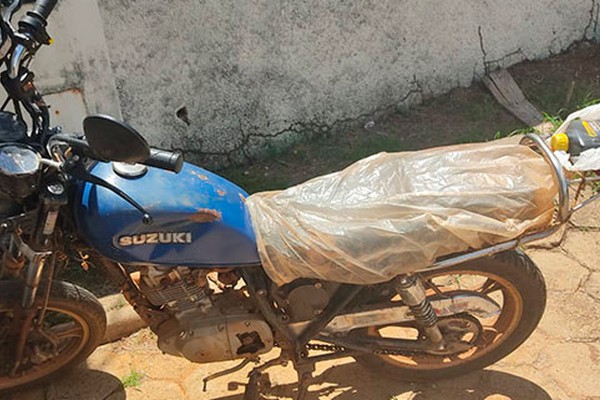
255 71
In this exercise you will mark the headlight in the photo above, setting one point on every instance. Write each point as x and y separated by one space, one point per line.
19 168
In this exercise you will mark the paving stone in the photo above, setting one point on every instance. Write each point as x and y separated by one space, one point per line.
588 215
156 390
116 363
528 353
585 247
86 384
571 316
523 382
489 384
576 366
119 395
592 286
560 272
178 368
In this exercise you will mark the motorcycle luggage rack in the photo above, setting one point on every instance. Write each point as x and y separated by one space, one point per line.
563 212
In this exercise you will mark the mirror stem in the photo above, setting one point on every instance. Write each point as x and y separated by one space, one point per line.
77 170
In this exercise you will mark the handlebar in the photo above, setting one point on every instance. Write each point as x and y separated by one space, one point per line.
44 7
163 159
33 23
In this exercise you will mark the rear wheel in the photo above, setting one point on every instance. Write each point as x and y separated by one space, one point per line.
73 326
511 279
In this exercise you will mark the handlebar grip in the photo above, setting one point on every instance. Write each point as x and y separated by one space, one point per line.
44 7
164 159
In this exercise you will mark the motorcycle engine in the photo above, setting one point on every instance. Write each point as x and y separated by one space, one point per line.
176 289
209 323
304 299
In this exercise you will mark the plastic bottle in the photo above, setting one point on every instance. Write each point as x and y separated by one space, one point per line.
579 136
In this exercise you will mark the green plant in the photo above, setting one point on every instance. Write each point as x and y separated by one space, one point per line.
522 131
133 379
555 120
589 100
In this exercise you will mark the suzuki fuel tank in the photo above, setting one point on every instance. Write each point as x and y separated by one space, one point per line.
198 219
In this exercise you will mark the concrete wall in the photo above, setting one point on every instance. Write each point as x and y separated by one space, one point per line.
255 71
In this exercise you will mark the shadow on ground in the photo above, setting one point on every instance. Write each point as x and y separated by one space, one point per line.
351 382
90 384
80 383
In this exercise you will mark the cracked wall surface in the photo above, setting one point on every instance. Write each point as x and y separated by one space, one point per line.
252 74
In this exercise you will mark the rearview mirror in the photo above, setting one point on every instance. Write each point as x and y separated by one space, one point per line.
113 140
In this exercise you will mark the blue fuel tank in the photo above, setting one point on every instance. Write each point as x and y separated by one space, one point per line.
199 219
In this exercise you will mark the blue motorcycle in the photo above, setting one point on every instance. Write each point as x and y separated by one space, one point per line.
178 242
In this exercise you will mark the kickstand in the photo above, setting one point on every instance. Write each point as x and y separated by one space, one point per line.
304 377
256 384
259 380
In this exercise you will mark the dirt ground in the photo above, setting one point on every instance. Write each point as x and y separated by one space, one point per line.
560 361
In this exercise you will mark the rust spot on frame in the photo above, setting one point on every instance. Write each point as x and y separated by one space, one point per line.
203 215
220 192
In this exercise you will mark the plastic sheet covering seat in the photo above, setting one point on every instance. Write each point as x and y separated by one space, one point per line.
395 213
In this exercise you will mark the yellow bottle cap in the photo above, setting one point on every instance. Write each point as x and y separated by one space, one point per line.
559 141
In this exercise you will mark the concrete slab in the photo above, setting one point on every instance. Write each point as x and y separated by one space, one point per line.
560 272
584 246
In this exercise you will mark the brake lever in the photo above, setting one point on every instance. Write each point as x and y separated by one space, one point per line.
77 170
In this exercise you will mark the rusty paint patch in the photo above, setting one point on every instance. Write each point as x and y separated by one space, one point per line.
242 198
220 192
199 175
203 215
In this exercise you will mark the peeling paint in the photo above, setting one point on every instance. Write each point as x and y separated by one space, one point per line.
198 175
203 215
221 192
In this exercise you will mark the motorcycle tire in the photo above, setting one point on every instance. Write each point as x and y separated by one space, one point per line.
74 318
520 284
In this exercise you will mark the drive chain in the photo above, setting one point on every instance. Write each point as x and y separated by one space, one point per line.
336 348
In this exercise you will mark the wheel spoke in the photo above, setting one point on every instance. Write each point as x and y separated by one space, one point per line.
67 330
429 284
490 286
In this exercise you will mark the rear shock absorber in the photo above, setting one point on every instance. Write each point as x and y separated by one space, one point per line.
410 288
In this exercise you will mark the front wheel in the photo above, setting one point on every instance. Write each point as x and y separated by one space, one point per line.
72 327
511 279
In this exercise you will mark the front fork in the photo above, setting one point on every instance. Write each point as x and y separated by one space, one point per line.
410 288
37 254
